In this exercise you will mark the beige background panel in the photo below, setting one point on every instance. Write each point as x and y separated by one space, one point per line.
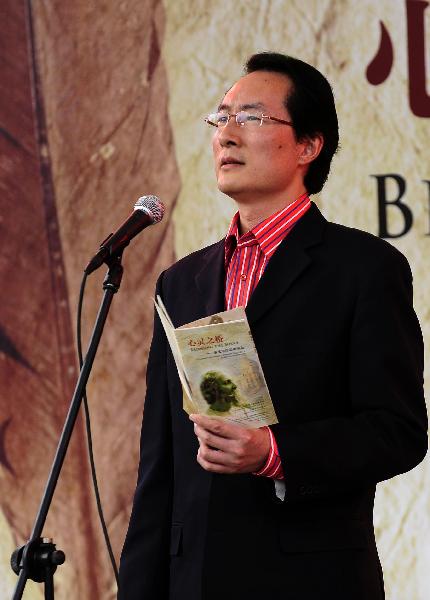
205 46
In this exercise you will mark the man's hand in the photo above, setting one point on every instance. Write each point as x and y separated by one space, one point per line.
229 448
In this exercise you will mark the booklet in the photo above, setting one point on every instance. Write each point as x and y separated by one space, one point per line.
219 368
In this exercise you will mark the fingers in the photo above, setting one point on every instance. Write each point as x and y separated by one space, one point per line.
229 448
219 455
217 461
212 467
217 426
211 439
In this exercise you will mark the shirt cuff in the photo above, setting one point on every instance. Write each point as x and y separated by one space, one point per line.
273 466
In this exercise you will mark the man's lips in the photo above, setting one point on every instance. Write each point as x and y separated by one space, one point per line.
230 162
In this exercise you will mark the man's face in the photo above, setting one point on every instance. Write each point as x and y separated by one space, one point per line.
268 156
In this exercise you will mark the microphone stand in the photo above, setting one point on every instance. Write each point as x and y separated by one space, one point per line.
38 558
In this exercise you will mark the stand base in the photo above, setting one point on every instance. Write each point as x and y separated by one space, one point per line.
40 559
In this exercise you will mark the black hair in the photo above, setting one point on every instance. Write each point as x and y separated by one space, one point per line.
311 106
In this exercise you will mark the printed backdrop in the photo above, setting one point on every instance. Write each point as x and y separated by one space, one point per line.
101 102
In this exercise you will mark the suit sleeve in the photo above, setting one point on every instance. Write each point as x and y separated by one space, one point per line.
384 433
144 566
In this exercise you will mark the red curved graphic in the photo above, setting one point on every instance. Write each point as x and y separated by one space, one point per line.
419 99
380 67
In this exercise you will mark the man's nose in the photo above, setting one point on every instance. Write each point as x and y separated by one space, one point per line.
230 134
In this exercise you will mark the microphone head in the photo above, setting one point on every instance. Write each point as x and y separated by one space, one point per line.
152 206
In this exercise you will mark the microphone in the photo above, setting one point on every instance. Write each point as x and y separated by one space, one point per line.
148 210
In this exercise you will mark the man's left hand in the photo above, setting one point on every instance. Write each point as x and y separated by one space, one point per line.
229 448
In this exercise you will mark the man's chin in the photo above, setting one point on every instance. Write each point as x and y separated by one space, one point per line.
232 190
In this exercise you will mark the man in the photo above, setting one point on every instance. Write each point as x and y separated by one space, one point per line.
282 512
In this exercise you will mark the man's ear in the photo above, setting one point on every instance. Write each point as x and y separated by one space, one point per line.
310 148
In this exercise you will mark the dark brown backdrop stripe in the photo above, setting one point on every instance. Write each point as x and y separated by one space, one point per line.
84 130
35 315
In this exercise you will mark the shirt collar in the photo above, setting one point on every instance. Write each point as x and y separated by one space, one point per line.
281 221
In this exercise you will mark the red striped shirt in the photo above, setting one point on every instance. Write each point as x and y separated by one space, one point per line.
246 257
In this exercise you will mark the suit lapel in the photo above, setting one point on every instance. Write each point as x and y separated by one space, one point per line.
289 261
210 279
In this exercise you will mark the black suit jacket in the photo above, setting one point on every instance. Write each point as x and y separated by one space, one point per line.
341 350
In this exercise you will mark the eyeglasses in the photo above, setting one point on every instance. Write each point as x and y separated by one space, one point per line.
242 118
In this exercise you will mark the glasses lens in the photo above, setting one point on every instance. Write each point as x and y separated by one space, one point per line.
248 119
222 119
217 119
212 119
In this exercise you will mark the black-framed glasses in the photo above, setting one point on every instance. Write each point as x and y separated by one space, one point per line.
242 118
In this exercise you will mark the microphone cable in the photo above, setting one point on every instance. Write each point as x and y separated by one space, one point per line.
148 210
89 435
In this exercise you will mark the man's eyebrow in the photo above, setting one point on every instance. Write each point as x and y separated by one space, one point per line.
242 106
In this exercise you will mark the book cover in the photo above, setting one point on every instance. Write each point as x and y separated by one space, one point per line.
219 368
